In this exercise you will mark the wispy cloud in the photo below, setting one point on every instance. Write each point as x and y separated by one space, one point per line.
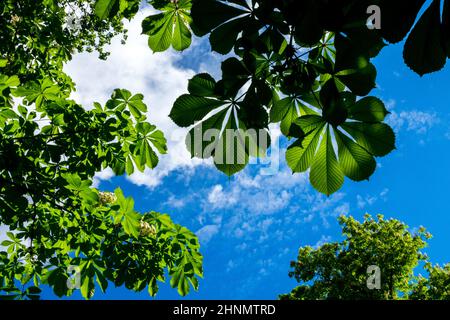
447 135
323 240
419 122
206 233
254 207
368 200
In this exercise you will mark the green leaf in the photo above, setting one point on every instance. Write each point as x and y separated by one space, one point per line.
227 128
8 82
170 27
181 34
424 52
284 110
300 154
101 280
326 175
369 109
210 14
202 85
188 109
122 99
159 141
153 287
160 31
147 157
176 277
129 166
287 111
377 138
105 8
126 215
231 154
355 161
89 196
353 67
39 92
395 29
131 223
183 286
194 283
74 181
87 288
57 279
223 38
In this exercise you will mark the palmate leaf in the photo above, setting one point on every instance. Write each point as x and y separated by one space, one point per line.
424 50
39 92
223 20
8 82
326 175
353 67
143 139
220 123
208 14
426 47
358 141
122 99
170 27
147 138
300 154
377 138
286 111
355 162
105 8
369 109
88 288
125 215
395 29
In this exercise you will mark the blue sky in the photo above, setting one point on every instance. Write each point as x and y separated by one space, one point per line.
251 226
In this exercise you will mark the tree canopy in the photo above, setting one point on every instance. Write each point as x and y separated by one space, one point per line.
305 65
302 64
341 270
50 149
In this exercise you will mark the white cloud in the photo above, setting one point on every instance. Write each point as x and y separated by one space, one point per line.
323 240
416 121
220 199
342 210
384 193
328 207
104 175
258 194
368 200
362 202
174 202
249 204
133 66
206 233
